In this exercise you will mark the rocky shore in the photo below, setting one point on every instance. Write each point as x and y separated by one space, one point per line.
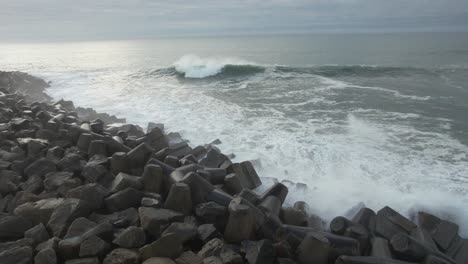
79 187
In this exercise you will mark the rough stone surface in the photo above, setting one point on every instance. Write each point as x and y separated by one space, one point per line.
131 237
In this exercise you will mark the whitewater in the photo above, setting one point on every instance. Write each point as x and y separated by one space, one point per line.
353 133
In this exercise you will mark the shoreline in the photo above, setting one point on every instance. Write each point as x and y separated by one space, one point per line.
194 203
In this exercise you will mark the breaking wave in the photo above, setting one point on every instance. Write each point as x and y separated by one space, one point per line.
195 67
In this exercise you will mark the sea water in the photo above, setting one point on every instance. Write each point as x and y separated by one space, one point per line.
379 119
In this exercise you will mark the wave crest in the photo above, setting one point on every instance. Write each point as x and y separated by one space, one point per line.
192 66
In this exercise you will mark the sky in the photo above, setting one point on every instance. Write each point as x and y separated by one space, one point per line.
129 19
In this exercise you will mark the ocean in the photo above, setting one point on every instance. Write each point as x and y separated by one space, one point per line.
379 119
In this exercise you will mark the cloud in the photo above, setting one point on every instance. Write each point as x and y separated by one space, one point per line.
115 19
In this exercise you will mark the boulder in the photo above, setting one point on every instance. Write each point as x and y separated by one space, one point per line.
212 213
131 237
188 257
37 233
83 261
207 232
167 245
93 193
39 211
260 252
12 227
60 182
159 261
94 246
389 223
241 224
119 163
246 173
179 198
124 218
212 248
71 162
40 167
46 256
123 199
93 173
65 213
18 255
123 181
152 219
184 231
153 178
122 256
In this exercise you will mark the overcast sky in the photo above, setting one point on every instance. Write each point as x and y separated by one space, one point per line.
126 19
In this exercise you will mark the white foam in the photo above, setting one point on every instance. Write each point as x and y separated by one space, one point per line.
343 163
193 66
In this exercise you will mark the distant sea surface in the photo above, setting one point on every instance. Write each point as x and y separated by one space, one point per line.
380 119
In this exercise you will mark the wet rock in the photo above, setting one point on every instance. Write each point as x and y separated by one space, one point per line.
46 256
199 187
286 261
51 243
131 237
208 232
124 218
241 223
39 211
233 184
389 223
367 260
40 167
184 231
152 178
188 257
229 256
361 234
159 261
381 248
153 219
65 213
367 218
97 147
60 182
93 173
83 261
139 155
93 193
212 213
71 162
424 237
293 216
55 154
123 199
168 246
259 252
94 246
18 255
123 181
37 233
410 249
444 234
78 227
119 163
12 227
212 248
179 198
213 260
248 177
427 221
172 161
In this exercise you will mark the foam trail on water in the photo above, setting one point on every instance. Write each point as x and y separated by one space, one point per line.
193 66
